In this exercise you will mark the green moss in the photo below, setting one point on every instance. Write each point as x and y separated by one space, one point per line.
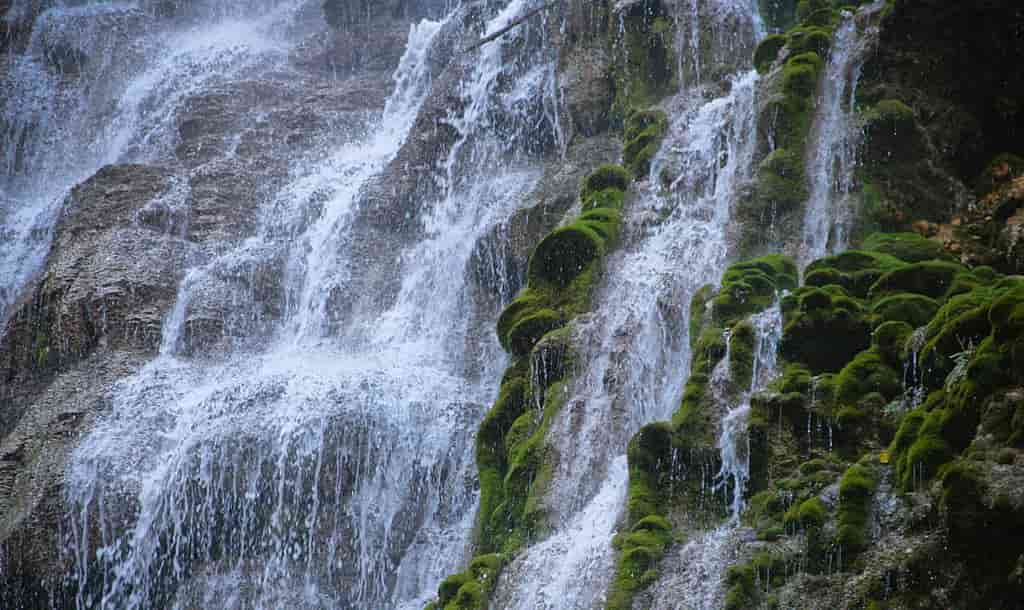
605 177
699 311
928 453
891 125
524 304
812 39
742 592
908 247
751 286
930 278
824 331
768 51
855 491
529 329
645 67
780 179
867 373
611 198
914 309
889 339
644 132
809 514
564 254
799 79
650 462
742 341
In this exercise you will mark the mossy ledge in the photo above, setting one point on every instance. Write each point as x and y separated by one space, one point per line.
664 456
917 403
792 64
512 454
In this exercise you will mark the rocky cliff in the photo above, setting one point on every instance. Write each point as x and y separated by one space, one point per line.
722 304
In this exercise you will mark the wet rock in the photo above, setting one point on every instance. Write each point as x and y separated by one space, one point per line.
107 282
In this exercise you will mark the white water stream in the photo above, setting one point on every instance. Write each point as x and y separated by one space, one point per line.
638 351
835 136
321 470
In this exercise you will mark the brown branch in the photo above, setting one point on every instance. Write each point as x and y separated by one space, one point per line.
515 23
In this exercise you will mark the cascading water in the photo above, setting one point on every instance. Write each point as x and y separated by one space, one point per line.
831 157
331 464
638 351
699 582
100 83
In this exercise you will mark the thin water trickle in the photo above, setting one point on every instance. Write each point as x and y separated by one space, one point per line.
835 135
703 561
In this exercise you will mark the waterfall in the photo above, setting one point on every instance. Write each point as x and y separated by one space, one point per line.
695 575
308 461
637 351
99 83
834 138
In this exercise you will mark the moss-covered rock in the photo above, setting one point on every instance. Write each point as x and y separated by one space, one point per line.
768 51
914 309
469 590
645 130
930 278
529 329
565 253
605 177
908 247
823 330
855 491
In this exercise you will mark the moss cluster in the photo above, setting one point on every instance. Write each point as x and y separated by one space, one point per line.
661 452
469 590
645 129
855 491
533 328
645 69
793 62
850 333
973 349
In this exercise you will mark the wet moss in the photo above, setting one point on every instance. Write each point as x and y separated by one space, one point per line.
605 177
768 51
865 375
469 590
742 339
780 180
824 331
644 133
810 39
930 278
889 340
609 198
891 128
529 329
908 247
914 309
750 287
650 533
564 254
855 491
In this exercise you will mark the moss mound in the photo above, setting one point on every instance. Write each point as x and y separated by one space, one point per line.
768 51
908 247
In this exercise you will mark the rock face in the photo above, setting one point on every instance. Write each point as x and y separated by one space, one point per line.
886 461
108 282
126 237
